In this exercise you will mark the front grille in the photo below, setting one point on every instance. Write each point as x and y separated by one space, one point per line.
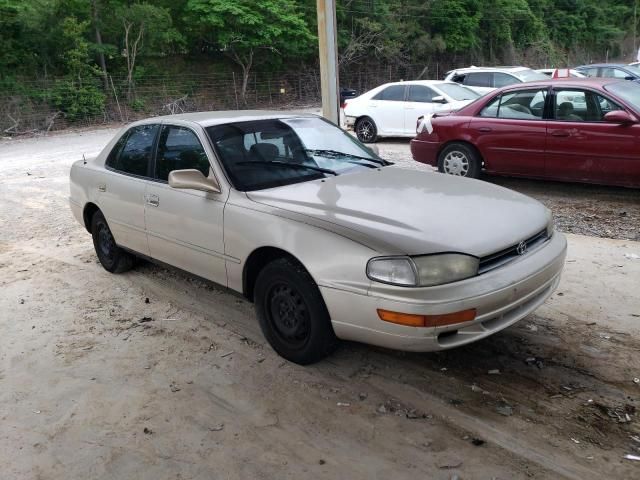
498 259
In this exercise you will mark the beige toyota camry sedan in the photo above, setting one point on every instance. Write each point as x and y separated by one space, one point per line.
326 238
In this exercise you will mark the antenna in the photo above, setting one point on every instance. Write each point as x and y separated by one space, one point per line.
84 160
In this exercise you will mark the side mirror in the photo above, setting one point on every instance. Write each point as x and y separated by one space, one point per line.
439 99
619 116
194 180
629 77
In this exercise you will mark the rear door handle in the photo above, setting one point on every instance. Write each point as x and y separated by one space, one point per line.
561 133
153 200
484 129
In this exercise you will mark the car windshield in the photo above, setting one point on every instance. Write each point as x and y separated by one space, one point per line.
531 75
633 68
268 153
457 92
628 91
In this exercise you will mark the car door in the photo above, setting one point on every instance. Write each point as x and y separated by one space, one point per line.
510 132
387 110
419 103
581 146
185 227
121 193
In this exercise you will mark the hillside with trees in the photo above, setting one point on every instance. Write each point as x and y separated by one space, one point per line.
64 61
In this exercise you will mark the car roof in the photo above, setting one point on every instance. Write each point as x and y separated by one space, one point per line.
208 119
566 82
604 65
490 69
416 82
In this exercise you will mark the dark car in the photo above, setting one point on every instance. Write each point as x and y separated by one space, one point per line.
611 70
582 130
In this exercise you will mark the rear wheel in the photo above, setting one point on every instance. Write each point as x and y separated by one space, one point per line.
292 313
366 130
113 258
459 159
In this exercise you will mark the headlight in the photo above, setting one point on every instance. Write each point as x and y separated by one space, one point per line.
394 270
550 224
422 271
445 268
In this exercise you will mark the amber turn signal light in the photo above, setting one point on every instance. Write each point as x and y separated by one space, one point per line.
412 320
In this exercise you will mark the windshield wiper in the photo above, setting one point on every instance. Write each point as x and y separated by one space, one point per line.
290 165
335 153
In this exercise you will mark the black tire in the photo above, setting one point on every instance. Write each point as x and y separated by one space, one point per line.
366 130
113 258
461 160
292 313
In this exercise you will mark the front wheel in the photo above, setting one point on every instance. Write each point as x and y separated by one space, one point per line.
461 160
292 313
366 130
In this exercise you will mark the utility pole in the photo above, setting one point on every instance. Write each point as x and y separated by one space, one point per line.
635 26
328 43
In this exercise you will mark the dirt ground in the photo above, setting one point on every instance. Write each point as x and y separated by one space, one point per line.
155 374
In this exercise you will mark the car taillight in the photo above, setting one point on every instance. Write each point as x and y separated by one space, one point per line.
343 105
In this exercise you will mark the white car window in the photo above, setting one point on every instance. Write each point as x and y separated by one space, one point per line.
420 93
478 79
503 79
178 149
132 153
393 93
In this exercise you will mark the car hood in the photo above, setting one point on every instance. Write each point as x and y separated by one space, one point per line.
401 211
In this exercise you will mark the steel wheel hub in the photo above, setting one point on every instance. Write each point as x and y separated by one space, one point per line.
289 314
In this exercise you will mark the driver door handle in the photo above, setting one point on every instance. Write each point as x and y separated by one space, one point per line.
484 129
560 133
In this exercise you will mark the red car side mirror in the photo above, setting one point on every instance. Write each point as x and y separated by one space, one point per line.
619 116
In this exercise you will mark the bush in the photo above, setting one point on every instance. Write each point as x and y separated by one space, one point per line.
77 101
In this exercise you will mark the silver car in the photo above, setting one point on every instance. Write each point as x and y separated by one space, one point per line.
326 238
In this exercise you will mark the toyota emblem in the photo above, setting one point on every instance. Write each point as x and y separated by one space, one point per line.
521 249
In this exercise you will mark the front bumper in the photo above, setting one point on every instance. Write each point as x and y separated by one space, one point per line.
349 121
501 298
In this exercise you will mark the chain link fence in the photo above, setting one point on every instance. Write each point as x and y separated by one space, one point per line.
37 106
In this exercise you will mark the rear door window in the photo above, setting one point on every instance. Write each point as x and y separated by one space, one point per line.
479 79
132 153
520 105
179 149
393 93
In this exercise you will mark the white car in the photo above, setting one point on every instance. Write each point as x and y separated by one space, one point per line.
392 109
561 71
326 238
486 79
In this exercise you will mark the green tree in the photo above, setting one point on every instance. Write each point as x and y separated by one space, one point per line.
243 28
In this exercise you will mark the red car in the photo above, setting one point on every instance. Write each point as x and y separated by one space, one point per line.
578 130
